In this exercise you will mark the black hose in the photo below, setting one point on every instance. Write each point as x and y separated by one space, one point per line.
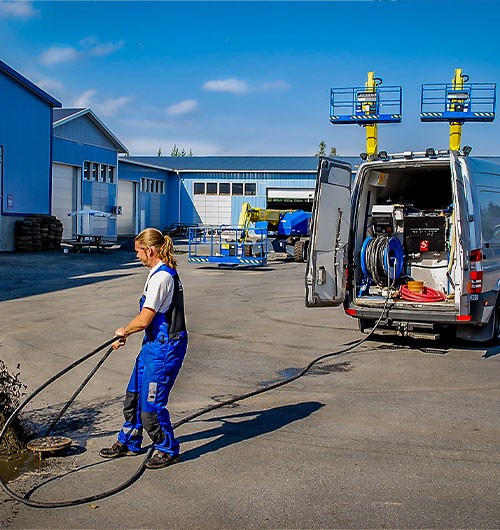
140 469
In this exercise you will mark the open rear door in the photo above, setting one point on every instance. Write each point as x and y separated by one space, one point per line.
462 241
325 271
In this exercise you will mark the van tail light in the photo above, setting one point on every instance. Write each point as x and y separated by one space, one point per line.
476 281
476 274
351 312
476 255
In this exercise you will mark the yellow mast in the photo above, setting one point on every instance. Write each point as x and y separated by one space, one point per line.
456 127
371 129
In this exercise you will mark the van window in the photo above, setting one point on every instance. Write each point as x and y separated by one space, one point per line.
489 202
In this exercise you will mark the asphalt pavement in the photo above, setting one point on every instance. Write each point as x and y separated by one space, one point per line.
394 434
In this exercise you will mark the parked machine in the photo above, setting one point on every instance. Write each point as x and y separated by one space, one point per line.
416 246
288 230
259 232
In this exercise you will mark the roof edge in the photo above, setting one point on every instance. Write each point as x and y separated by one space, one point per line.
29 85
100 125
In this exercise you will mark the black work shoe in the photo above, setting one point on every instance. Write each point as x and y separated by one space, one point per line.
161 459
116 450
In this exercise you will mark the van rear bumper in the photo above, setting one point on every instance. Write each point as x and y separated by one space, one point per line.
480 311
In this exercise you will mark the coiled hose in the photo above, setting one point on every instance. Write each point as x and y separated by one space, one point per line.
141 468
428 295
382 259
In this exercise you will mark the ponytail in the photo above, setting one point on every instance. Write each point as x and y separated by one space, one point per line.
152 237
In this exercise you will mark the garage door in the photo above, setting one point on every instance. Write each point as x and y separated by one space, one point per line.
64 196
126 199
213 210
290 198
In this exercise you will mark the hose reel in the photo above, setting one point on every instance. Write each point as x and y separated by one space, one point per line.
382 259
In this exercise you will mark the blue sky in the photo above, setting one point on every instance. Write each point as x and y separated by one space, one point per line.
251 78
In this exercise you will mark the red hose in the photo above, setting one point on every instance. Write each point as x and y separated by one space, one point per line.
429 295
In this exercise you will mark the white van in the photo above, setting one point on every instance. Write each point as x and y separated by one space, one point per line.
416 243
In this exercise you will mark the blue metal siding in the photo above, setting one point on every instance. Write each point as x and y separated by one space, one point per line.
75 153
155 210
25 134
82 130
262 180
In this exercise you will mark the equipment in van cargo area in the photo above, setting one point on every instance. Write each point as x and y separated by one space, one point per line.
423 223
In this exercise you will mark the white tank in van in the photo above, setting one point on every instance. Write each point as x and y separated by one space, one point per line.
413 244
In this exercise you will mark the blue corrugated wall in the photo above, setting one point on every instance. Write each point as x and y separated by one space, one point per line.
25 134
155 210
262 181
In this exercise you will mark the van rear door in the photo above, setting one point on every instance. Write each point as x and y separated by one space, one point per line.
330 224
462 240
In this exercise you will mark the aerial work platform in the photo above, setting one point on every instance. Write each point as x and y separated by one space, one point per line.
227 245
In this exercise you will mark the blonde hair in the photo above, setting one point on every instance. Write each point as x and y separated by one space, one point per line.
152 237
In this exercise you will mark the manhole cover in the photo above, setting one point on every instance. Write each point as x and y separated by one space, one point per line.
48 444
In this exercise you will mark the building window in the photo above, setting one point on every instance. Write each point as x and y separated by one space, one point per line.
250 188
237 188
152 185
98 172
199 188
224 188
211 188
103 173
86 171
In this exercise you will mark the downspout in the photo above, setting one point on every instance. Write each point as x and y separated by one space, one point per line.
179 205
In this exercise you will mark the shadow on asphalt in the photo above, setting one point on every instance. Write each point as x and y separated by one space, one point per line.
27 274
259 423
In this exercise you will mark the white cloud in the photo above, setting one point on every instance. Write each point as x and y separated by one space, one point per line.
109 107
184 107
101 49
50 84
57 54
274 86
84 100
90 47
17 10
236 86
232 85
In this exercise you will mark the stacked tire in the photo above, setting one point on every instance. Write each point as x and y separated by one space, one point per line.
41 232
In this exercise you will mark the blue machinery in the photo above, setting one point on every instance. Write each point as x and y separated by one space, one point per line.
226 245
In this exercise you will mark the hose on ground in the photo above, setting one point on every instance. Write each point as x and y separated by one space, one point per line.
141 468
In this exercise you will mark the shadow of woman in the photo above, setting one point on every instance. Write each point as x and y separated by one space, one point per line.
236 428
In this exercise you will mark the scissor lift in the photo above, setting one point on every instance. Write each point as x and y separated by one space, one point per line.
227 245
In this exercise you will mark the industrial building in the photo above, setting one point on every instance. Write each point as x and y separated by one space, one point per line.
80 172
84 172
25 151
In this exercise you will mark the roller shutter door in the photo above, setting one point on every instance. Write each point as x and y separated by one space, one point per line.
126 199
64 197
213 210
290 198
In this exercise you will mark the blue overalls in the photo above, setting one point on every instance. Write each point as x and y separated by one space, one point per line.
156 367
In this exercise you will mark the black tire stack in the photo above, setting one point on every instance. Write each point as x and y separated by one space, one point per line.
39 232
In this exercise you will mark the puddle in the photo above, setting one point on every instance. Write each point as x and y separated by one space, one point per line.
12 466
323 369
